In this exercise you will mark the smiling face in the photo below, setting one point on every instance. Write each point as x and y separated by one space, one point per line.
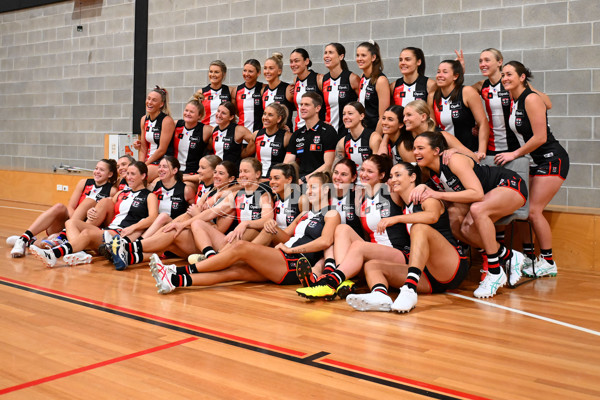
488 65
223 116
221 177
425 155
165 170
364 58
191 115
271 71
215 76
135 179
511 79
315 190
101 173
400 179
445 75
278 181
307 108
407 62
298 65
351 117
205 171
342 177
369 173
413 120
154 103
122 165
250 75
331 58
390 124
248 175
270 118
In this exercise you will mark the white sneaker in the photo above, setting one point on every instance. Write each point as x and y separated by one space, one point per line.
516 264
374 301
45 256
527 269
542 268
18 249
490 284
11 240
162 275
196 258
81 257
406 300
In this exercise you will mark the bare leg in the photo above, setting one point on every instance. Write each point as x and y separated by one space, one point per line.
52 220
363 251
345 236
391 275
205 234
541 191
80 212
457 213
237 272
158 223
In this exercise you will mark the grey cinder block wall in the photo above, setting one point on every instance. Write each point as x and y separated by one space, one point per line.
62 90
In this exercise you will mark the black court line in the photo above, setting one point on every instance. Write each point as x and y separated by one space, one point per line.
300 360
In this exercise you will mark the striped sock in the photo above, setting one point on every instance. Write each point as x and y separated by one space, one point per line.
494 263
27 236
329 266
188 269
333 279
182 280
379 287
529 250
412 278
209 252
62 250
500 237
547 255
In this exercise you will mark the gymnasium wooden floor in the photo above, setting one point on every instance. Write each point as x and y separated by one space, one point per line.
91 332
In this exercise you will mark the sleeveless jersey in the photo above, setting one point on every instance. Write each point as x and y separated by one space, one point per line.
346 207
308 229
310 145
152 131
497 106
212 100
369 98
270 149
336 94
224 144
123 184
404 93
308 84
455 118
393 151
202 189
188 146
490 177
94 192
171 200
520 124
130 208
278 95
286 210
380 206
249 106
358 150
442 225
247 206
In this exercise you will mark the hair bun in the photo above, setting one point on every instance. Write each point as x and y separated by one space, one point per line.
277 55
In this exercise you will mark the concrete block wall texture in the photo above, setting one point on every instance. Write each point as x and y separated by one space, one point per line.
91 74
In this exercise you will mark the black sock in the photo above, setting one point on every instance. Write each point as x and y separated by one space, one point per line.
181 280
209 252
494 263
137 252
333 279
529 250
27 236
62 235
500 237
412 278
329 265
504 254
547 255
62 250
188 269
379 287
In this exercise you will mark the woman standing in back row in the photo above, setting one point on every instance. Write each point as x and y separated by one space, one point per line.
215 93
413 85
374 86
307 80
276 91
248 97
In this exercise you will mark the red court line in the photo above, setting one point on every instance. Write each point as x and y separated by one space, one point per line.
329 361
397 378
94 366
166 320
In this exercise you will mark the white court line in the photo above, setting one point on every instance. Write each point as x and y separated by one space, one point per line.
552 321
19 208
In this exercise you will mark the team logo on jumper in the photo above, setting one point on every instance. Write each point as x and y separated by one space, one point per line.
418 95
136 203
210 97
455 114
317 139
243 96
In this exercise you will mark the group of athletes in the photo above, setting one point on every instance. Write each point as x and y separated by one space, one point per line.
371 178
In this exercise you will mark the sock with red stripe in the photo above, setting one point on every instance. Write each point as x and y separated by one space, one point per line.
500 237
412 278
329 266
26 237
62 235
547 255
379 287
529 250
209 252
182 280
62 250
188 269
333 279
494 262
136 252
